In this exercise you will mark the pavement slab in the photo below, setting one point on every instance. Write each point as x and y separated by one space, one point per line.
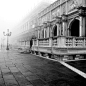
38 82
5 70
12 82
13 69
1 80
18 69
21 70
32 77
8 77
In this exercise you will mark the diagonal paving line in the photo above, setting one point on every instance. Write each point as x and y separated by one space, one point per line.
68 66
74 69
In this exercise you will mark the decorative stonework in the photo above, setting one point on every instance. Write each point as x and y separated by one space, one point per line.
45 24
58 19
64 18
73 4
49 24
82 11
63 1
63 9
55 13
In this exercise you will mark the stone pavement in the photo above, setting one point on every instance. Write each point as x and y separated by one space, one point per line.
16 71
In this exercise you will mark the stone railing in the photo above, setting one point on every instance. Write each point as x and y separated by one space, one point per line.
62 42
54 41
43 42
35 42
79 42
75 41
69 41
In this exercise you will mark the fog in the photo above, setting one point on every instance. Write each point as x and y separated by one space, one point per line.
12 12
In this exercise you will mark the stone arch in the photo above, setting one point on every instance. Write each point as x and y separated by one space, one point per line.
54 30
74 27
42 33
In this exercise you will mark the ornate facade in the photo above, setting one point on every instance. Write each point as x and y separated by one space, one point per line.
62 15
64 21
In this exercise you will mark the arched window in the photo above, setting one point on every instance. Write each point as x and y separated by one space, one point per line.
55 30
74 28
42 33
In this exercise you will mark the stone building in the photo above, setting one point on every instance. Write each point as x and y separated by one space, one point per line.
63 18
24 27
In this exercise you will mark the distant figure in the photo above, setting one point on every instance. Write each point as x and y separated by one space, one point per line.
31 43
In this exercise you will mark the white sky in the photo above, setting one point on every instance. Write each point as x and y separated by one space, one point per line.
13 11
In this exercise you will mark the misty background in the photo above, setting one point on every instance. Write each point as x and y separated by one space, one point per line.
13 12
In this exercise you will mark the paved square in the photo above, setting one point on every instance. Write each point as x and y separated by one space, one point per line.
15 70
18 69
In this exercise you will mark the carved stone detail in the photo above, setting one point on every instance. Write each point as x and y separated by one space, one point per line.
64 18
82 11
45 25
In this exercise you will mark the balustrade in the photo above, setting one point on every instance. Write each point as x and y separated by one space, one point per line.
62 42
35 42
54 42
69 42
43 42
79 42
75 41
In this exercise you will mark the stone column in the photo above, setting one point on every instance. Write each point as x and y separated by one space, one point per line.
38 34
58 23
64 25
82 15
50 29
58 29
82 26
44 32
60 26
44 27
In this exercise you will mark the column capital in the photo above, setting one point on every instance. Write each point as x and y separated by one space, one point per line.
45 25
64 18
82 11
58 19
49 24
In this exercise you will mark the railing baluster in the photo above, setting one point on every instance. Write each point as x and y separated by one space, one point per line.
63 42
54 41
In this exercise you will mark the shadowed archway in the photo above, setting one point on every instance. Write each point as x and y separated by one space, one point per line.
74 28
55 30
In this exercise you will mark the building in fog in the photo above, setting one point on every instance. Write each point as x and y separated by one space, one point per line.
25 25
61 18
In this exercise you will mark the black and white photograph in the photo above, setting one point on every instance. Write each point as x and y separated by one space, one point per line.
42 42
